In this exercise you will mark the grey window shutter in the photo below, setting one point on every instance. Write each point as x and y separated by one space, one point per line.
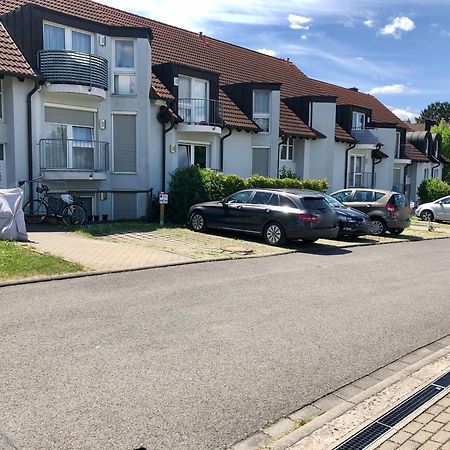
124 141
69 116
125 206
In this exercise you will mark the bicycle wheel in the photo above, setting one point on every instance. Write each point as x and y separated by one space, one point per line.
35 211
73 215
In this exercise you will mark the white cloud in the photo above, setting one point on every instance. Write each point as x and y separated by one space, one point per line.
299 22
267 51
368 23
404 113
397 26
304 37
391 89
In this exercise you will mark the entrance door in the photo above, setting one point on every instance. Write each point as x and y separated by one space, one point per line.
2 167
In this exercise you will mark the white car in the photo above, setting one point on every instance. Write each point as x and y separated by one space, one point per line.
437 210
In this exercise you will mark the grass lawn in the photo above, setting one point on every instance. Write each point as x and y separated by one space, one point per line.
102 229
19 261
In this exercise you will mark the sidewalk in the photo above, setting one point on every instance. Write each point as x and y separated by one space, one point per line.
97 254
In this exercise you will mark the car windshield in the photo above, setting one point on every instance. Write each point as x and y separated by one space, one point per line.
332 201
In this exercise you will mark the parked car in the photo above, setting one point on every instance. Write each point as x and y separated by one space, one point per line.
277 215
388 211
437 210
351 221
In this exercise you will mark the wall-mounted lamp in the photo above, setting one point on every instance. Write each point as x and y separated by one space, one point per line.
103 196
102 40
102 124
173 148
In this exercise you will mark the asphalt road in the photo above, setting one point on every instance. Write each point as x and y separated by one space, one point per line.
197 357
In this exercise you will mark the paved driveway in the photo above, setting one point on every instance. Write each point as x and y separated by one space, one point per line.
197 357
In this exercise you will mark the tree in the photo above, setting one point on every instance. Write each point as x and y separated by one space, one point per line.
444 130
436 111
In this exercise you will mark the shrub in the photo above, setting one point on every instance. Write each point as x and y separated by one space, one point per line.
194 185
432 189
287 173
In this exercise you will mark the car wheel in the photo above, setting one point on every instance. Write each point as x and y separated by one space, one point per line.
198 221
309 241
397 231
274 234
378 227
427 215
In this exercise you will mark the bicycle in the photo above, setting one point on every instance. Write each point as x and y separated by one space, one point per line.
36 211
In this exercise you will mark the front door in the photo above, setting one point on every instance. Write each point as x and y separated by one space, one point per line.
2 167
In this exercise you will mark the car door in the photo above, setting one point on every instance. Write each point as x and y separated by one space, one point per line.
361 200
258 212
442 209
234 214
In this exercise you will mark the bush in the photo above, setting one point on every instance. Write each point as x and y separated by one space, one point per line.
432 189
194 185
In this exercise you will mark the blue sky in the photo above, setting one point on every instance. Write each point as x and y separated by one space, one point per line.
397 50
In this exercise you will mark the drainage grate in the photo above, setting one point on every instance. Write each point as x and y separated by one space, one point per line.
385 423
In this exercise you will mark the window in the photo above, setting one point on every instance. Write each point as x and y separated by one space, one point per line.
436 173
426 174
261 198
287 150
287 202
240 197
193 155
343 196
379 196
261 109
275 200
61 38
124 143
397 145
356 171
358 121
124 70
1 99
363 196
260 161
193 97
315 203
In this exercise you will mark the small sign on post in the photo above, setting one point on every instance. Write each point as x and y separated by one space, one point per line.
163 201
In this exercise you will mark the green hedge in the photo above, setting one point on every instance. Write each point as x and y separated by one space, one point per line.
194 185
432 189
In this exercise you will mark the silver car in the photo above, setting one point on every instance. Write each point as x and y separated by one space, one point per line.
437 210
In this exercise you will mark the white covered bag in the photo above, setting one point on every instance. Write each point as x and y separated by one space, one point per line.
12 219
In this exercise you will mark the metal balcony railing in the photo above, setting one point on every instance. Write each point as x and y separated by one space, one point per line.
199 111
361 179
74 155
67 66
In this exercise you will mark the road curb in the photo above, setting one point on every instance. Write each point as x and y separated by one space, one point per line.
93 273
292 437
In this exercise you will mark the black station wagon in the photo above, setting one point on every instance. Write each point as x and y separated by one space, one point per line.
277 215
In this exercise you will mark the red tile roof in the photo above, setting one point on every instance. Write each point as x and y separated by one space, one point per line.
159 90
234 117
235 64
414 154
12 61
291 124
342 136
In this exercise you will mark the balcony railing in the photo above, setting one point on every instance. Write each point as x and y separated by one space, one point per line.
199 111
361 179
66 66
74 155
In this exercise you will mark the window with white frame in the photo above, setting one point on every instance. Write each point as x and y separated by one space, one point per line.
193 94
356 171
1 99
358 121
124 67
57 37
261 109
426 174
193 155
287 150
436 173
397 145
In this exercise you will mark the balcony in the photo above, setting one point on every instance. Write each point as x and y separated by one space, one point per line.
74 68
199 114
361 180
69 159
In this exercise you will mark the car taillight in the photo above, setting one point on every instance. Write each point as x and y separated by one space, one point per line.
309 218
391 209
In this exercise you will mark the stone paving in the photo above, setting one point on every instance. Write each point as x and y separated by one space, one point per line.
429 431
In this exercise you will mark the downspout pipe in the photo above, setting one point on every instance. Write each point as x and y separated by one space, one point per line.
350 147
434 167
222 139
283 141
30 133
